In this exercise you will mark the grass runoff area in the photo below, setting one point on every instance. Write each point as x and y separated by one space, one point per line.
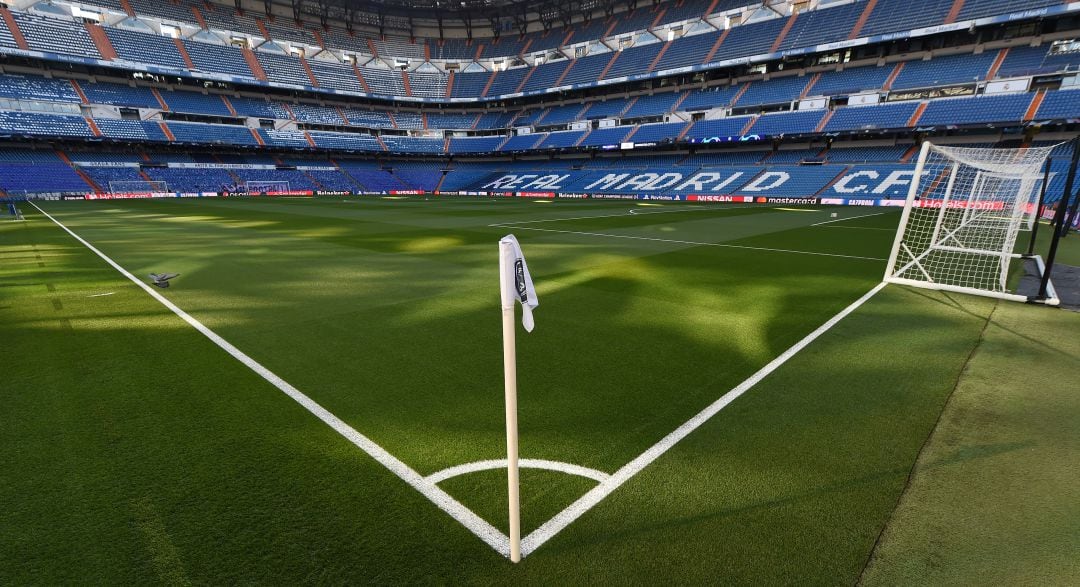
924 437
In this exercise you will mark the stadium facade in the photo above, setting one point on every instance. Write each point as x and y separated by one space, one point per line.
707 100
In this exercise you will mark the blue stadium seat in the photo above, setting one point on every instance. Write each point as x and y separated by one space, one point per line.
398 144
143 47
22 87
824 25
721 127
195 103
494 120
787 123
634 60
475 144
119 95
903 15
368 118
586 70
34 124
561 115
941 71
216 134
55 35
444 120
507 82
973 9
427 85
317 114
1027 60
133 130
710 98
346 142
561 139
688 51
610 108
545 76
775 91
218 58
653 105
387 82
850 81
522 142
258 108
879 116
1008 108
654 133
1060 105
791 181
469 85
283 69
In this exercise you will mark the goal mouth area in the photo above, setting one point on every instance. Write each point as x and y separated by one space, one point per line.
1019 294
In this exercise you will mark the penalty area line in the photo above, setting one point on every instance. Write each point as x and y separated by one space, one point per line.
586 502
685 208
849 218
696 243
466 517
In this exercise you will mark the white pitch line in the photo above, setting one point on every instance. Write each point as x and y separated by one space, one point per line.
478 526
682 242
848 218
686 209
101 295
568 468
474 523
575 510
861 228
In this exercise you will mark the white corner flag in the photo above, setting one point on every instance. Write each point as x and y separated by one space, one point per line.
521 287
516 286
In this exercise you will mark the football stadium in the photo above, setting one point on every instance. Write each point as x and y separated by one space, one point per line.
553 292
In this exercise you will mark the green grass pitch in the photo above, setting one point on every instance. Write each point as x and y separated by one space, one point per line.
137 450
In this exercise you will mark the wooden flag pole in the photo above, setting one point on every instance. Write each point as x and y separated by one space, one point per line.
506 281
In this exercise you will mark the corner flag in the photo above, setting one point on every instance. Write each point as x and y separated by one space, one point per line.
516 285
522 288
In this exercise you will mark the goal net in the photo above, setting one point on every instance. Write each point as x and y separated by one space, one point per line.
253 188
964 209
139 186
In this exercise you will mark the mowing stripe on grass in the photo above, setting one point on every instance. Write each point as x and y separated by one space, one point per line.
575 510
474 523
666 240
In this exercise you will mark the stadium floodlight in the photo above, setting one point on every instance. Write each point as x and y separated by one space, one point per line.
964 210
515 285
138 187
266 187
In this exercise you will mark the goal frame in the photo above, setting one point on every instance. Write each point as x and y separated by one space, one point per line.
1005 254
138 186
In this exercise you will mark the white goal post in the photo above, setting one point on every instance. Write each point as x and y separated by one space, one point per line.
266 187
964 210
139 186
